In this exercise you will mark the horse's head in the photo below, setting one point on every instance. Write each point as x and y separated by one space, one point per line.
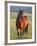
20 12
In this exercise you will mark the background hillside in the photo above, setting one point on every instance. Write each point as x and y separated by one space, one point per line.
17 8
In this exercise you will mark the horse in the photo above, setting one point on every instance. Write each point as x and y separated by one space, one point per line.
21 23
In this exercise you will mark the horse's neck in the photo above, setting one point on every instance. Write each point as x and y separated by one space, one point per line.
18 16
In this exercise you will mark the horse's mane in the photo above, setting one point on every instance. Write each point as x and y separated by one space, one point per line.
18 17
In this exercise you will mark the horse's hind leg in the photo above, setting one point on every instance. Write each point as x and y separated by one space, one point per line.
26 29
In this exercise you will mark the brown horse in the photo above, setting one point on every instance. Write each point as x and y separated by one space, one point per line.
21 23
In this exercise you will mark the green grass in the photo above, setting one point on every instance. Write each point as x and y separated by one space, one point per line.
13 31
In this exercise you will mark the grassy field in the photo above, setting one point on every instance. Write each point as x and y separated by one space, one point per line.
13 31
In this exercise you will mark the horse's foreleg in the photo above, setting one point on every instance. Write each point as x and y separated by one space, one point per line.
18 32
21 33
